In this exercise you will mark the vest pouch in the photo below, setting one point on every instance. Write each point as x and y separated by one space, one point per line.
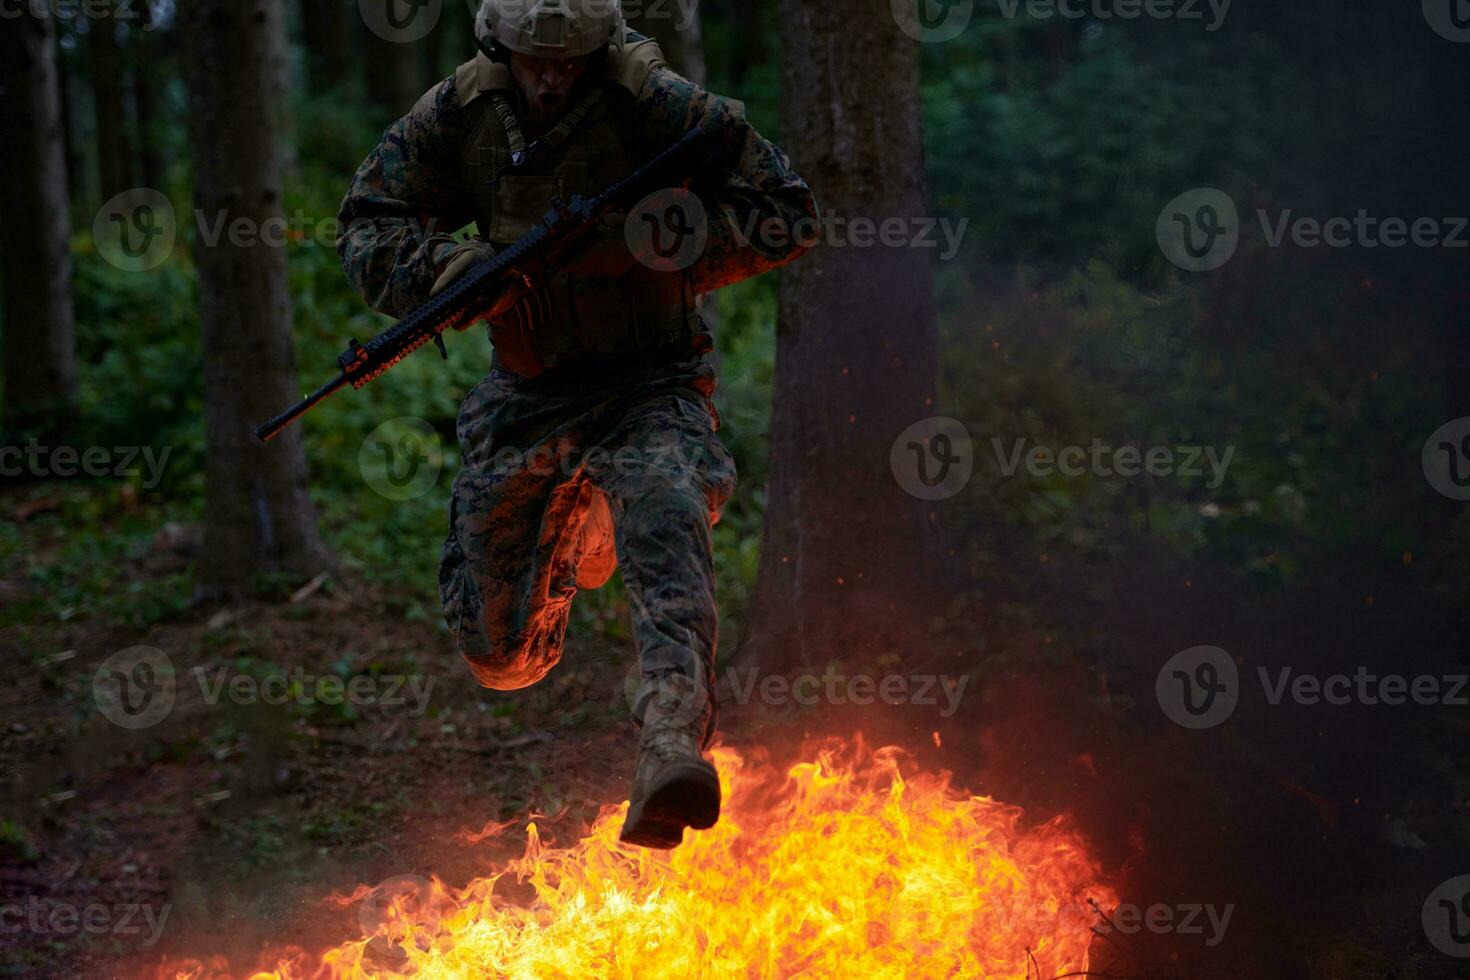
521 202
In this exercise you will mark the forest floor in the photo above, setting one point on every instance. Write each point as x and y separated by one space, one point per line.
1321 830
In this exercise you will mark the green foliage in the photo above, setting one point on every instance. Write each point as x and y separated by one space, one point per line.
1067 161
16 843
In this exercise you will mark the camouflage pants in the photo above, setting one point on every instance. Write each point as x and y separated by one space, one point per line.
534 454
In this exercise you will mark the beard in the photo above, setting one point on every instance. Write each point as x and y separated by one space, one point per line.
545 110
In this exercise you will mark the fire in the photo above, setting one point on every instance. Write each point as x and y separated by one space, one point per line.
844 867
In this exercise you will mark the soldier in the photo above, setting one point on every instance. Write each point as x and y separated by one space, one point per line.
591 444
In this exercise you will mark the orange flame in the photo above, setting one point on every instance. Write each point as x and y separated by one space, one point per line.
844 868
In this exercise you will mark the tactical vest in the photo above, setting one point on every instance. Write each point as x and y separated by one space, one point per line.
573 318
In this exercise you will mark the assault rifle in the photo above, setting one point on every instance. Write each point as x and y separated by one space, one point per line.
512 271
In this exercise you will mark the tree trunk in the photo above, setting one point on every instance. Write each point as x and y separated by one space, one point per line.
74 186
40 356
258 517
682 43
844 569
392 64
326 34
278 68
145 51
114 154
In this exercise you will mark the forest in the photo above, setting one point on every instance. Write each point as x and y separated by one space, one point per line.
1099 541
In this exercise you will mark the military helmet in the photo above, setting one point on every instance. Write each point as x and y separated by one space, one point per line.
550 28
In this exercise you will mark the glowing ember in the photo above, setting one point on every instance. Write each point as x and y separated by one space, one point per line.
844 868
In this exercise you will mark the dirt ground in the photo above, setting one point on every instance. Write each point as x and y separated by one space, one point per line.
1321 830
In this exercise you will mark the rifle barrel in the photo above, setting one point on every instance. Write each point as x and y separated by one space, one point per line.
269 431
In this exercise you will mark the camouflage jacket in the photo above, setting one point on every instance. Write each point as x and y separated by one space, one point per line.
411 193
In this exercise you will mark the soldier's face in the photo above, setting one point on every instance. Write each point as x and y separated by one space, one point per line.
547 83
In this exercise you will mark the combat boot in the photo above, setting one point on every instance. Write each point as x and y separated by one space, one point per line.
599 556
674 786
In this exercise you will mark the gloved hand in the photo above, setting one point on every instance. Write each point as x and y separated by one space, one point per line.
463 259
